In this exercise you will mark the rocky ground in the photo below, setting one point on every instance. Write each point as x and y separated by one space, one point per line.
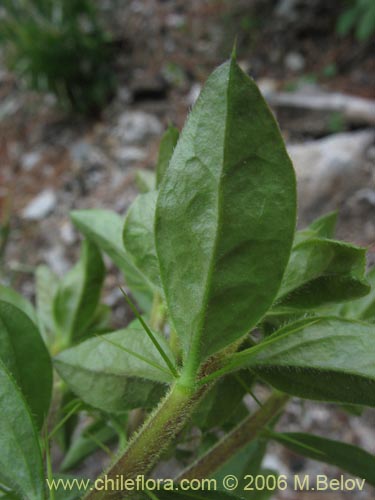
320 87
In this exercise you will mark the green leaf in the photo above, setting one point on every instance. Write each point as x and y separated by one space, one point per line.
9 295
145 180
226 204
117 371
345 456
46 284
104 228
138 236
20 458
87 442
23 352
246 462
75 487
223 400
325 226
101 322
322 271
363 308
328 359
167 144
78 294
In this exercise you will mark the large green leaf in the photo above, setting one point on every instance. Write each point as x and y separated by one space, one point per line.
104 228
167 144
117 371
322 271
9 295
20 458
139 238
345 456
78 294
329 359
363 308
23 352
225 215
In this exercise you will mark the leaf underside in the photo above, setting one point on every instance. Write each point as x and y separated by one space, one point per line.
225 215
329 359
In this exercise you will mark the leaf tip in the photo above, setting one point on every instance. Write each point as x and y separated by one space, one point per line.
234 51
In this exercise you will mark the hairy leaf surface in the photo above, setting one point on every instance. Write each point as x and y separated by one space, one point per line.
46 285
78 294
20 458
322 271
113 372
167 144
9 295
346 456
23 352
139 238
363 308
329 359
104 228
225 215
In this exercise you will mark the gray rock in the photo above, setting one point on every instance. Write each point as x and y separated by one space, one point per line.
136 127
129 155
294 61
55 259
330 170
41 206
30 160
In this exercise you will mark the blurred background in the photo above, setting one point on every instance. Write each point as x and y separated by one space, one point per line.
87 88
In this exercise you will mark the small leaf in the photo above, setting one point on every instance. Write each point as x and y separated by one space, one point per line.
23 352
46 284
9 295
328 359
117 371
167 144
345 456
223 400
87 442
246 462
78 294
138 236
363 308
104 228
145 180
225 215
323 227
20 458
322 271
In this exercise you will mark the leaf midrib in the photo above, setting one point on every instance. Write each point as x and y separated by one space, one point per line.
195 344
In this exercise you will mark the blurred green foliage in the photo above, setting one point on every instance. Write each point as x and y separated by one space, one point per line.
358 17
59 46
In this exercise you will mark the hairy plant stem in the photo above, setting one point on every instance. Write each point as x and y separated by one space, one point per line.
152 439
238 438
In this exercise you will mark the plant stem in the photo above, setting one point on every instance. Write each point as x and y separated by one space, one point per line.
153 438
239 437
